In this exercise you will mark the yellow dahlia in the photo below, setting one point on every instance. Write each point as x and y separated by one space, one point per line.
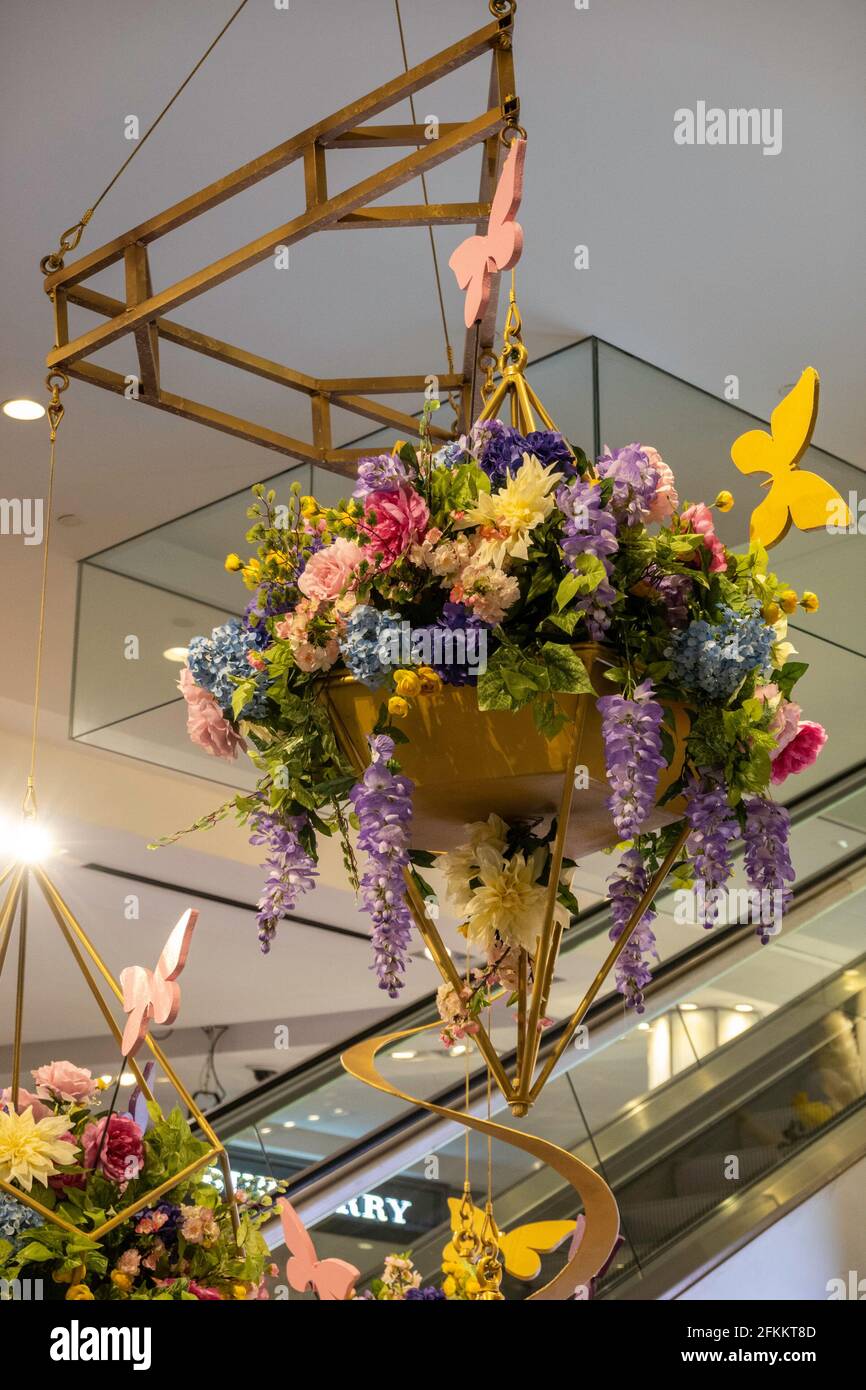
32 1148
510 901
508 517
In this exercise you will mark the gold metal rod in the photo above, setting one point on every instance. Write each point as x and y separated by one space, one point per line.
52 1217
522 969
544 966
230 1195
7 913
527 421
341 122
305 224
611 959
19 986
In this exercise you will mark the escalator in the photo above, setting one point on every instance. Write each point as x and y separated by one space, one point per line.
737 1096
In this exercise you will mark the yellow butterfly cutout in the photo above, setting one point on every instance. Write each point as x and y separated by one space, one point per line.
521 1248
795 495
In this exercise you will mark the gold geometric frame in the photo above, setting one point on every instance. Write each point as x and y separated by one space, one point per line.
85 955
143 314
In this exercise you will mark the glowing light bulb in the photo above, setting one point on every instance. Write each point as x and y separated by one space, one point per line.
25 841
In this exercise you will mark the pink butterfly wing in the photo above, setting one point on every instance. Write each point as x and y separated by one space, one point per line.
300 1267
166 994
478 257
136 983
334 1280
509 189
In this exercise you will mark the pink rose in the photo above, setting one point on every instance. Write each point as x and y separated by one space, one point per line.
699 518
122 1153
401 520
666 501
328 572
785 724
63 1081
800 752
25 1099
205 722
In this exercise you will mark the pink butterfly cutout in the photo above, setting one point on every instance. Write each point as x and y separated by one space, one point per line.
478 258
152 996
332 1280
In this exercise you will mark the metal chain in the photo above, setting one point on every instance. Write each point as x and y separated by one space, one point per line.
72 236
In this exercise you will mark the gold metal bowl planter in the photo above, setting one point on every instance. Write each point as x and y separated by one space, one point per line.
466 763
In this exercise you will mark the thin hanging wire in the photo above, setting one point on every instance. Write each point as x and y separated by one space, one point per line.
58 382
72 236
449 351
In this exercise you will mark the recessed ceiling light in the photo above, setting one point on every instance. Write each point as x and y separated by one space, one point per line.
851 974
843 844
23 409
338 1110
176 653
401 1057
127 1078
364 1245
459 1050
69 519
265 1129
688 1008
744 1008
643 1028
314 1119
429 956
288 1124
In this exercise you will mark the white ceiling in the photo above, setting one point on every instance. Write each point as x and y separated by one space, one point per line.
704 261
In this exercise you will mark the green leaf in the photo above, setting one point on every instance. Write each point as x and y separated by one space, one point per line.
492 690
790 673
565 669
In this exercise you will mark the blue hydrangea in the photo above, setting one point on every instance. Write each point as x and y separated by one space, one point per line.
716 657
16 1218
216 663
363 648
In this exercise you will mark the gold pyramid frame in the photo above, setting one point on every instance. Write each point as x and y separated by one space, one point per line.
21 877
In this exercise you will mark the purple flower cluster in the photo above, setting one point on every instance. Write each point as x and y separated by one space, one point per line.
291 870
713 827
383 473
455 617
426 1294
768 859
589 530
631 732
635 482
383 804
625 890
500 448
674 590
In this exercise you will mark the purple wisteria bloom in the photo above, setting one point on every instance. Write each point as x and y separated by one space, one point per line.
291 870
713 827
455 617
625 889
768 860
674 590
382 473
631 732
635 482
589 529
383 804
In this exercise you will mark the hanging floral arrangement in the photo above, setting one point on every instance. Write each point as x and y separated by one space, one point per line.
486 565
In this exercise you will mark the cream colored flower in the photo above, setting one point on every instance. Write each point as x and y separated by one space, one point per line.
461 864
510 901
781 650
31 1149
508 517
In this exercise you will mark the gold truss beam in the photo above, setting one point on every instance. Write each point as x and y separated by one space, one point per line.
143 313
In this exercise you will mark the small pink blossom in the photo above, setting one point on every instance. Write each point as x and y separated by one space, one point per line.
206 724
329 572
800 752
129 1263
64 1081
699 518
666 501
402 518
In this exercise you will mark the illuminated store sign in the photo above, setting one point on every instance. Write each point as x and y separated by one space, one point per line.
370 1207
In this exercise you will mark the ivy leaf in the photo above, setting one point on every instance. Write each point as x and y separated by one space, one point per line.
565 669
790 673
